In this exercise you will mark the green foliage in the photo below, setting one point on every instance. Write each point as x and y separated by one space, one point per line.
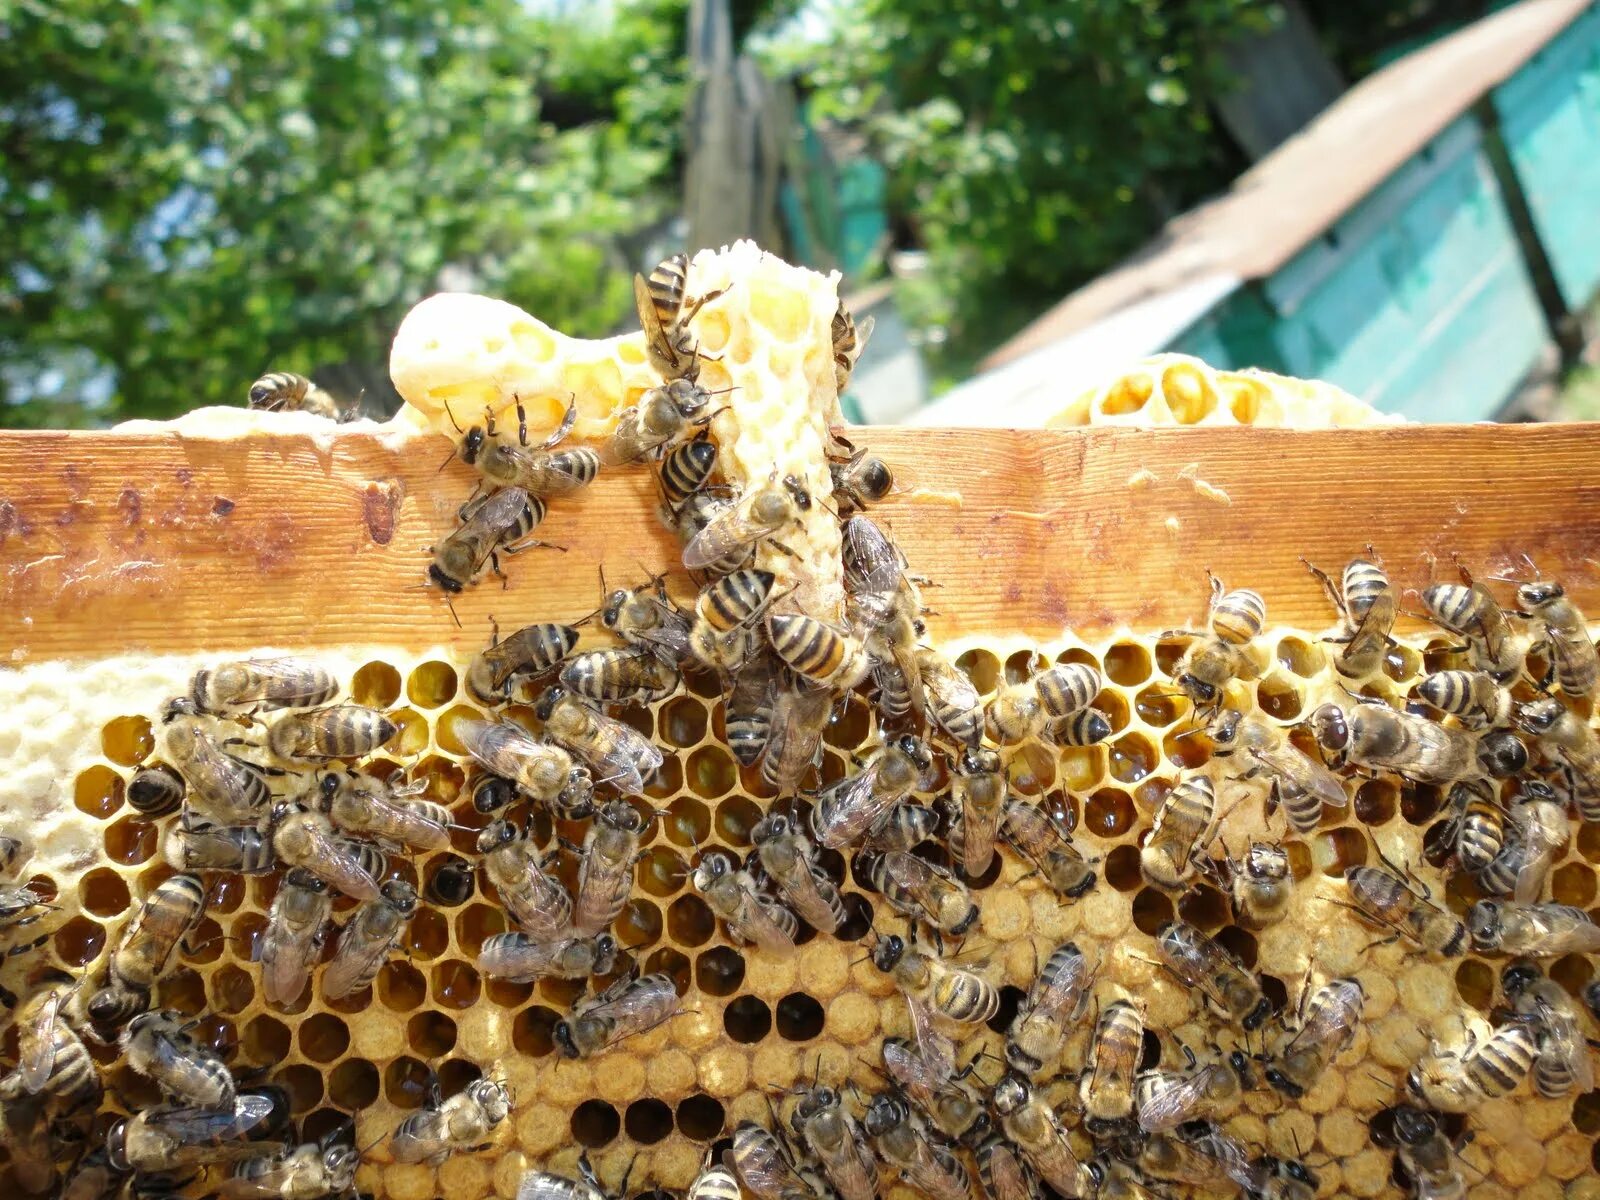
1033 143
192 192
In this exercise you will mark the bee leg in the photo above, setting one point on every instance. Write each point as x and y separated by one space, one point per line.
522 423
8 998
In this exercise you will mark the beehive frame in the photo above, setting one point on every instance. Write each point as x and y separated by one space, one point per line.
1082 542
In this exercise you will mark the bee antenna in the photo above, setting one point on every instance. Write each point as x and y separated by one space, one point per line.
450 604
452 416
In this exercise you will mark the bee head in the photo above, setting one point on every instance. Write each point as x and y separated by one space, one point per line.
1240 1062
1265 861
611 610
1483 923
1539 593
472 444
769 827
496 834
797 492
401 896
915 749
328 785
888 952
1518 978
547 702
1281 1081
1330 727
1196 688
179 706
115 1004
1538 716
117 1141
576 798
299 877
605 954
1010 1094
1502 754
438 577
561 1034
884 1113
979 761
1413 1126
875 478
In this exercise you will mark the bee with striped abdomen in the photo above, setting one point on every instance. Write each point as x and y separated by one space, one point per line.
625 676
1533 930
340 731
156 790
1167 1099
1003 1172
1538 829
168 916
1039 838
368 937
799 717
297 927
1387 899
500 523
665 310
284 391
751 917
1056 998
758 517
1574 664
646 618
790 859
764 1166
686 469
326 1168
1367 606
158 1045
1105 1090
1027 709
221 786
906 827
849 340
835 1140
519 958
1477 828
1474 696
307 839
534 899
1458 1081
954 704
1184 825
1564 1064
1468 610
463 1124
605 866
1033 1129
1573 744
258 684
542 772
925 1070
1206 966
526 654
25 1131
938 985
902 1142
541 471
925 892
1221 655
195 844
727 616
1377 738
817 651
546 1185
859 804
619 753
629 1006
1300 785
661 416
752 702
361 806
861 480
978 794
713 1182
1327 1022
1426 1154
157 1141
52 1060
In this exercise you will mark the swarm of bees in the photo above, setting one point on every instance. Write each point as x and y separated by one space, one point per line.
264 770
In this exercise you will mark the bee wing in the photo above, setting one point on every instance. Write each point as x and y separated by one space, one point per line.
648 320
814 898
36 1051
848 808
937 1050
632 756
196 1126
337 863
670 633
769 924
286 964
1565 1038
1303 772
642 1005
1170 1106
1564 929
726 533
910 872
358 957
864 329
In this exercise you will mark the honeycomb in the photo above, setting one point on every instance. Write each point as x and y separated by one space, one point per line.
74 732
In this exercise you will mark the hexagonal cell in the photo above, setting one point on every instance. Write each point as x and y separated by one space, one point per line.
683 721
455 984
103 893
1376 802
1401 663
444 779
431 684
225 894
1573 883
1109 813
1122 868
205 944
1337 849
701 1118
735 818
687 823
231 989
662 872
304 1085
427 934
1131 757
98 791
412 739
375 684
667 781
1240 943
849 726
130 841
595 1123
127 741
1279 698
982 668
747 1019
711 772
183 990
247 930
323 1037
639 923
858 918
532 1030
1300 657
667 961
1475 984
353 1084
1184 750
1159 706
648 1121
400 986
406 1082
265 1041
1127 664
477 923
800 1017
1202 906
1031 769
79 941
431 1034
450 881
1152 909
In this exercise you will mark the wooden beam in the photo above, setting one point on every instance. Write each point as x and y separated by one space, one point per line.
152 542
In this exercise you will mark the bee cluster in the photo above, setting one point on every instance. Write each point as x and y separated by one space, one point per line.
1082 979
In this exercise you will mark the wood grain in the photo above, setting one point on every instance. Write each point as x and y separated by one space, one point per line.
154 543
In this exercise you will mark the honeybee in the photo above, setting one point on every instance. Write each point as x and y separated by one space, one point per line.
1215 659
789 858
1574 665
294 1173
306 839
1474 696
1114 1180
160 1140
605 870
906 826
1266 1177
367 938
620 676
620 753
284 391
544 1185
492 525
918 889
194 844
1367 605
258 684
859 804
1169 1157
1260 887
521 959
158 1045
1467 609
1300 785
1026 709
662 415
1003 1172
978 791
1033 1129
1086 727
849 340
465 1124
750 916
1425 1154
1564 1064
168 915
340 731
1534 930
800 713
20 906
1105 1089
535 900
1378 738
817 651
51 1058
861 480
1539 829
92 1177
665 311
1328 1020
541 771
759 515
537 472
452 883
936 984
954 704
726 615
714 1182
758 1158
1568 738
1458 1081
684 471
926 1072
1477 829
156 790
1036 836
525 654
1207 967
629 1006
1168 1099
366 807
751 710
220 785
1182 829
1057 997
30 1150
648 620
835 1140
1386 899
297 927
885 613
904 1145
